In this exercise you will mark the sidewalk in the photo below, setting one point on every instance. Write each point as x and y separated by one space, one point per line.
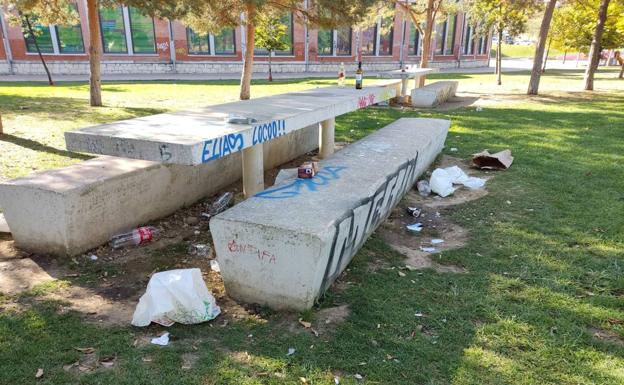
508 65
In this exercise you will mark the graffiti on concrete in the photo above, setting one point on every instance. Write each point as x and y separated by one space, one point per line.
322 178
267 131
225 145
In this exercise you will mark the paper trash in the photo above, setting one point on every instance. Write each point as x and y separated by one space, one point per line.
176 296
499 161
442 180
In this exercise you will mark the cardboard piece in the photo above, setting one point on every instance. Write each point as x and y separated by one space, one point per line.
498 161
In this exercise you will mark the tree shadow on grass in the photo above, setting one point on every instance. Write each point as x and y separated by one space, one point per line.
40 147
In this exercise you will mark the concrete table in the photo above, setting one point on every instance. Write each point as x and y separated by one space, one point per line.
199 136
405 75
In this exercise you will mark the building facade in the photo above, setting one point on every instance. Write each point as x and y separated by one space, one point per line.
134 43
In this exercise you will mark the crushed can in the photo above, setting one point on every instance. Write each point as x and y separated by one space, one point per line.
307 170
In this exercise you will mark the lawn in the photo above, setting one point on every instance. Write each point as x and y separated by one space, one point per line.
521 51
545 258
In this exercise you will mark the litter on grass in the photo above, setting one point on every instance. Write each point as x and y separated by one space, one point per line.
214 266
415 227
437 241
291 351
163 340
176 296
414 211
498 161
428 249
443 179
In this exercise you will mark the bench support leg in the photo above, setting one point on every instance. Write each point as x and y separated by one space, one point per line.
404 81
326 138
253 170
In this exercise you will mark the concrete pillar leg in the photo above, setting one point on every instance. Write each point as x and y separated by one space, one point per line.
404 90
326 137
253 170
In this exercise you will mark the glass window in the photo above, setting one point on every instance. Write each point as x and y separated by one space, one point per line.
415 48
467 39
197 44
385 35
450 35
142 31
224 42
369 40
343 41
325 42
44 39
113 30
440 31
70 38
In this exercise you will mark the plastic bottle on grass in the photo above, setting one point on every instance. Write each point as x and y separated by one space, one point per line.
136 237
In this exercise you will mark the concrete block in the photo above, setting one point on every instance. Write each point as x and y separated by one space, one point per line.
73 209
202 136
433 94
286 245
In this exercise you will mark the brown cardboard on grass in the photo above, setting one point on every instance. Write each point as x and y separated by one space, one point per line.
498 161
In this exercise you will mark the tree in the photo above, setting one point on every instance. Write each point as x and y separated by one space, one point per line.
212 16
536 72
29 14
425 12
569 30
95 52
618 58
500 16
271 35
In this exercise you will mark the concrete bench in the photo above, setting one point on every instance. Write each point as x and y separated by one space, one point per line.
286 245
433 94
73 209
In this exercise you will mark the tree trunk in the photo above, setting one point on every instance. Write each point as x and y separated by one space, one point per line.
565 55
250 35
620 76
539 49
426 48
594 51
578 57
546 55
34 37
95 49
270 70
1 124
499 55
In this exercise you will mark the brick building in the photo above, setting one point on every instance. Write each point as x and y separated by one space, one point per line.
134 43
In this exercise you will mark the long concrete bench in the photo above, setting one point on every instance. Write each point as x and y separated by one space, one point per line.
73 209
286 245
433 94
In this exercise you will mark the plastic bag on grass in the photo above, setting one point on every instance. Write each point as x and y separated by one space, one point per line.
442 180
176 296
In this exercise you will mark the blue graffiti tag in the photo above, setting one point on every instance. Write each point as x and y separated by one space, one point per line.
225 145
322 178
268 131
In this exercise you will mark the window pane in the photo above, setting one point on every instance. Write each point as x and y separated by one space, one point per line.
113 30
415 47
44 39
439 37
385 36
450 35
142 30
467 40
288 21
197 44
368 40
70 39
224 42
343 41
325 41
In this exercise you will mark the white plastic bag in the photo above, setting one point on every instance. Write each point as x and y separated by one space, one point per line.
442 180
176 296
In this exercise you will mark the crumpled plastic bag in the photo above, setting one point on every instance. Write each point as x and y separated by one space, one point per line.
443 179
176 296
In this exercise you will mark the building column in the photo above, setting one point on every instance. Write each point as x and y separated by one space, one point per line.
327 134
253 170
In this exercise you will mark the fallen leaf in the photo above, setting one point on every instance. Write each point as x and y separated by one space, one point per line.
401 274
147 359
303 380
316 333
69 367
305 324
85 350
39 373
108 362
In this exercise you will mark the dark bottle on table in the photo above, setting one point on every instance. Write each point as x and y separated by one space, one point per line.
359 76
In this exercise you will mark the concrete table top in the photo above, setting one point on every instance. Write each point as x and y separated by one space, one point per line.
199 136
410 73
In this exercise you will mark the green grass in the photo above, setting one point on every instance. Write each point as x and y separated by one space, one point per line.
521 51
542 270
